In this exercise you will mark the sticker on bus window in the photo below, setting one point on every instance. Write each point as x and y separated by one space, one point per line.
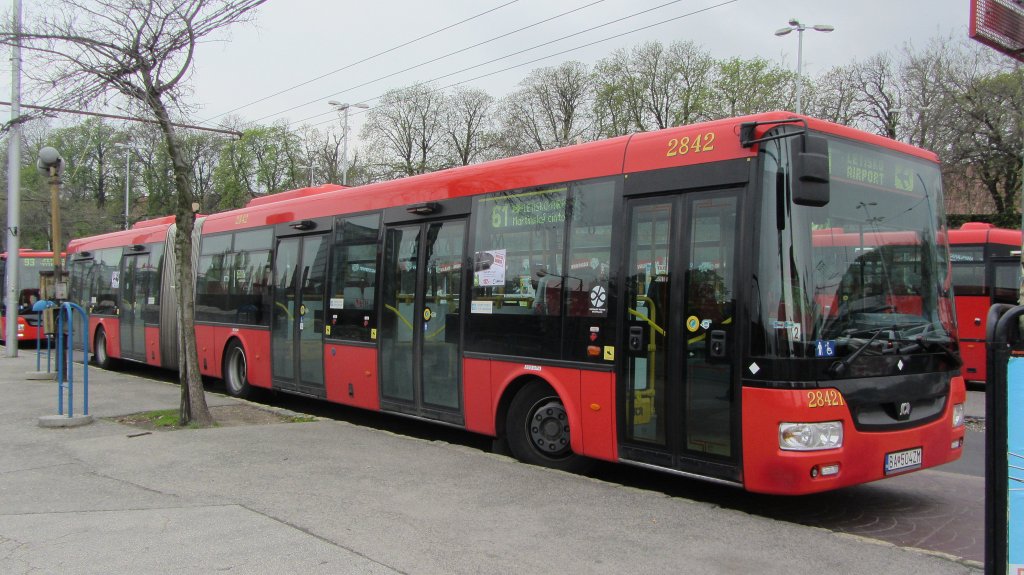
337 303
486 306
494 274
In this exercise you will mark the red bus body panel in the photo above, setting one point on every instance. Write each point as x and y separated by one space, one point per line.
153 346
769 469
350 374
968 309
212 340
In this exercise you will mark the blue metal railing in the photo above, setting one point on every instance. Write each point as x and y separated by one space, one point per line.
40 307
68 309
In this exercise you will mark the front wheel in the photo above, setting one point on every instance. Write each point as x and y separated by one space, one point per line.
236 372
537 429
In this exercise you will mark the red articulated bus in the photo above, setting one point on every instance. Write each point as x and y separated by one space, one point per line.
31 263
986 271
123 279
656 299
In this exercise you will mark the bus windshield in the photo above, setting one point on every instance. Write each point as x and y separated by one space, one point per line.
870 268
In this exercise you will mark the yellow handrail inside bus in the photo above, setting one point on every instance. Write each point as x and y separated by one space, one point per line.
399 314
652 348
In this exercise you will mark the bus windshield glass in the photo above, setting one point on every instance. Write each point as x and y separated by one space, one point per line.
872 264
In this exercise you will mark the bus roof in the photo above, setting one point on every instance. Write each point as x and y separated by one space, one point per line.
673 147
147 231
984 233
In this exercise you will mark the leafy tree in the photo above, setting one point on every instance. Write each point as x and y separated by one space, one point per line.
143 51
750 86
652 86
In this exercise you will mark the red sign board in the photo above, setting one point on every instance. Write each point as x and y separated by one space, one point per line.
999 24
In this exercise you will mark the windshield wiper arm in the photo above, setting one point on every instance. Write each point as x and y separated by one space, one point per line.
839 367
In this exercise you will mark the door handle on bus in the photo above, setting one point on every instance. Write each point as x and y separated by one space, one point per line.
717 349
636 338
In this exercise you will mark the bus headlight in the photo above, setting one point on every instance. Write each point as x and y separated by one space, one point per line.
958 414
810 436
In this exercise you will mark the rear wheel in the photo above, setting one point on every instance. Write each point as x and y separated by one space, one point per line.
100 355
537 429
236 371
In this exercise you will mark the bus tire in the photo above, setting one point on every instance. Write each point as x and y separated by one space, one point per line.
100 356
537 430
236 371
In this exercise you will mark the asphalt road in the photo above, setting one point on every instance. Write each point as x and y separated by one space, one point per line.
936 509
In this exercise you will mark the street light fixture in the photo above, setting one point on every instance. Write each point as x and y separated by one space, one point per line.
127 177
795 24
342 109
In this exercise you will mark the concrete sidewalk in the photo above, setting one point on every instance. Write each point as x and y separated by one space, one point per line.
332 497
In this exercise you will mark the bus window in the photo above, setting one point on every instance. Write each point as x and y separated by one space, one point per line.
351 313
588 289
518 277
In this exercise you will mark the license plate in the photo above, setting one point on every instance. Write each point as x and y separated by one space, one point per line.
899 461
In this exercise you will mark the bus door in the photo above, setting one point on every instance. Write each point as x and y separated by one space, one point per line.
677 386
421 314
297 331
133 299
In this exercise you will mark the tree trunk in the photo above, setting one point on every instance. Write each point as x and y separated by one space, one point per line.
193 406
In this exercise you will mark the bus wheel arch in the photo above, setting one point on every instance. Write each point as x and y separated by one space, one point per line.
235 369
535 425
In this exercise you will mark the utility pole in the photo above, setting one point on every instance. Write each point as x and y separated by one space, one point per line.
14 189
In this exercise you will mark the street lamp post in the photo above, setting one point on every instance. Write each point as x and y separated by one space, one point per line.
795 24
127 178
342 109
51 164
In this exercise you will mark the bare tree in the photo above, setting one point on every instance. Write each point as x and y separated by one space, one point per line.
834 96
469 123
404 131
881 96
551 108
85 50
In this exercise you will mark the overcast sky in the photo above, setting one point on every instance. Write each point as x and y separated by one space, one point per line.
292 42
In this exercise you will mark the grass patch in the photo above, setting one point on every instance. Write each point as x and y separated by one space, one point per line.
302 419
160 419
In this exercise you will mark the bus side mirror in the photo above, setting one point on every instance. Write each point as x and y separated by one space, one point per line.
810 168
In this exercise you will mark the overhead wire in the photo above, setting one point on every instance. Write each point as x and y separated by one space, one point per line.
368 58
433 60
535 60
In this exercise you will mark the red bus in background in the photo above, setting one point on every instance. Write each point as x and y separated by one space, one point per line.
124 281
986 271
653 299
31 263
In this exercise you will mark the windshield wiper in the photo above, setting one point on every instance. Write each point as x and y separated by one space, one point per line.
839 367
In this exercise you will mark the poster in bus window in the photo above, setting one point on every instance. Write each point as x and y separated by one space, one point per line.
494 274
